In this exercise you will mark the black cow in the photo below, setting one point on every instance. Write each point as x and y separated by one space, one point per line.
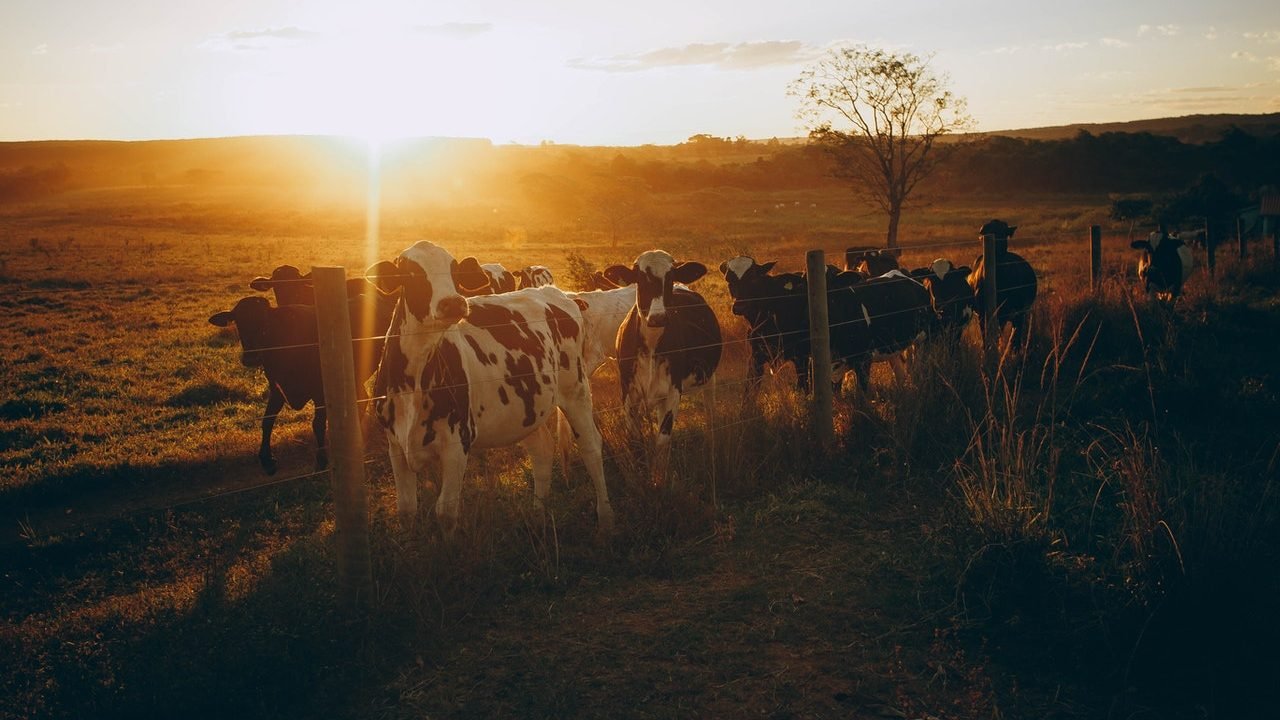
871 261
669 343
284 342
1165 264
291 287
1015 283
776 308
877 320
950 295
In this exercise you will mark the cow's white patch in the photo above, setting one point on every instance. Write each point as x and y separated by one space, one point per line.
941 267
740 265
866 315
1154 238
789 286
656 263
1184 254
495 271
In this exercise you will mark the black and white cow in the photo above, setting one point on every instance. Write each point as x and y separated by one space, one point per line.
1165 264
284 342
501 280
878 320
1015 283
459 375
949 293
776 309
872 261
669 343
532 276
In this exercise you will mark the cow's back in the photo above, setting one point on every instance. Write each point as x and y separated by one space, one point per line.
1015 284
883 315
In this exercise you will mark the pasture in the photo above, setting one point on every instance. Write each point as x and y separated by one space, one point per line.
1087 529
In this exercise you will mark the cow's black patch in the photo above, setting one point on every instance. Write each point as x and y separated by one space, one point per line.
481 355
521 378
446 395
503 397
510 329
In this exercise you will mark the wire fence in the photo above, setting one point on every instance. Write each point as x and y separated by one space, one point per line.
781 336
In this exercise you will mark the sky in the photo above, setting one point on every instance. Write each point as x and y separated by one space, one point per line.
600 72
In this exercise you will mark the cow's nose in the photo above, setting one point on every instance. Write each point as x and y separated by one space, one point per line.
453 308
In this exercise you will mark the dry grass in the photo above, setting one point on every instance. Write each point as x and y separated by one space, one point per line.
1055 531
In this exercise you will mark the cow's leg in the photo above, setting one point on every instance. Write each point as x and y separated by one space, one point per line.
453 464
755 366
564 441
318 423
897 361
541 446
667 407
577 411
275 401
863 369
406 482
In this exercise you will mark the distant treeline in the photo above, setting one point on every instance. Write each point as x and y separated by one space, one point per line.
469 171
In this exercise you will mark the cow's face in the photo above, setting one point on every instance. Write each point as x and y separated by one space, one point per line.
653 274
949 291
290 285
746 281
249 315
434 287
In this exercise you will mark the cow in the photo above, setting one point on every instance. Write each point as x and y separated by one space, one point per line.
669 343
284 342
501 280
291 287
1015 284
532 276
949 294
776 309
1165 264
878 320
872 261
461 374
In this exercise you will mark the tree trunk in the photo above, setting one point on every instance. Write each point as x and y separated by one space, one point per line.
895 215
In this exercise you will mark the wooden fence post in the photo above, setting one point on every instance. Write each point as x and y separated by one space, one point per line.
1210 249
346 449
1095 257
990 263
1244 246
820 347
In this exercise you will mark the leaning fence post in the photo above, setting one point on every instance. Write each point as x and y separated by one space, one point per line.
1244 246
1095 256
820 346
1210 249
346 450
990 261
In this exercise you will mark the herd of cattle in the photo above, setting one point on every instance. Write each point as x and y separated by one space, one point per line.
467 356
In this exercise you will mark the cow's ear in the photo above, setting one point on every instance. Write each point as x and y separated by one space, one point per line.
261 284
222 319
620 275
687 272
765 268
468 277
385 276
724 269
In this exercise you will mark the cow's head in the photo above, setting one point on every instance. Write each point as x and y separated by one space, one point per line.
949 290
250 318
747 282
291 287
433 286
1002 232
653 274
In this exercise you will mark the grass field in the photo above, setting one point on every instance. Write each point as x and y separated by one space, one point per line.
1088 529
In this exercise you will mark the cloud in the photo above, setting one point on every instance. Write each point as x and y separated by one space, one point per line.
1165 30
1207 89
1066 46
41 49
725 56
1273 63
1267 36
1113 42
1003 50
1244 55
1211 33
455 29
259 39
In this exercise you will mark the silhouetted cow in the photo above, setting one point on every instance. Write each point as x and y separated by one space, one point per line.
871 261
949 293
1015 283
291 287
1165 264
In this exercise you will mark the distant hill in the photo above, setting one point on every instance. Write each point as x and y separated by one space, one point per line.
1195 129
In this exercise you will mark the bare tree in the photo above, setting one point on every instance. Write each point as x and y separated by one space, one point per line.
879 116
